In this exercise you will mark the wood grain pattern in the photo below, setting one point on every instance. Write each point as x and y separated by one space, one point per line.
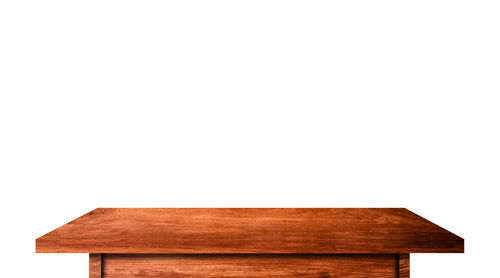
404 265
95 265
305 266
249 231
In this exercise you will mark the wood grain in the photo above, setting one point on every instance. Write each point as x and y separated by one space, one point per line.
305 266
95 265
404 265
250 231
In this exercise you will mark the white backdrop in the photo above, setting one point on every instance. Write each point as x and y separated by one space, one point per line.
249 104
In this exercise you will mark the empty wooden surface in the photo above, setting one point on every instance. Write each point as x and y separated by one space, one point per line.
250 230
317 266
95 265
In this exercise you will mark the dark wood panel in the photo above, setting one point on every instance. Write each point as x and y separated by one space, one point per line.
404 265
305 266
95 265
250 230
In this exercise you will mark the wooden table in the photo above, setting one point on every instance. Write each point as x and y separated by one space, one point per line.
250 242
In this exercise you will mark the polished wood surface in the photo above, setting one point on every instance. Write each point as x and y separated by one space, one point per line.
404 266
304 266
249 231
95 266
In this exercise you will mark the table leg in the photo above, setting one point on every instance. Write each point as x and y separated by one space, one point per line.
95 265
404 265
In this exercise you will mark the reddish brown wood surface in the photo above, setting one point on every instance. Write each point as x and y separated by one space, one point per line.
95 265
304 266
252 230
404 265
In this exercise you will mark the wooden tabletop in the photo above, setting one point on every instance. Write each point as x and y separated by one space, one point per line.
250 231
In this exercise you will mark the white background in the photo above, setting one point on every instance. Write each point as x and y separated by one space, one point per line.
249 104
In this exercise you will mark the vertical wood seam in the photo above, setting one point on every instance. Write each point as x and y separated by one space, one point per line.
398 265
